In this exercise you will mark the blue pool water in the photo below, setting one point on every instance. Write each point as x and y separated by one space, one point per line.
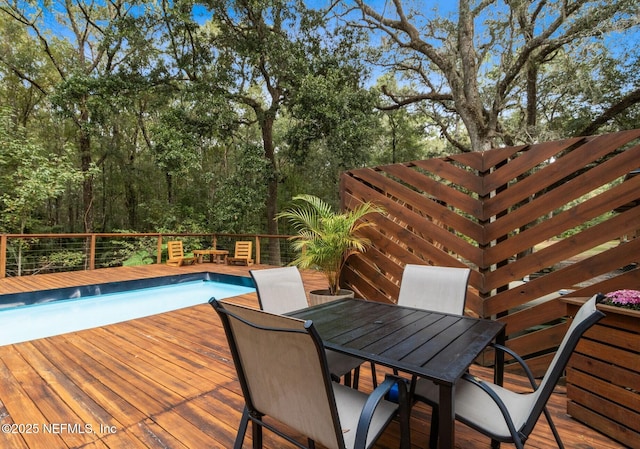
46 317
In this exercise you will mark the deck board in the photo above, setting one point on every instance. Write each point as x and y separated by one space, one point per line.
168 381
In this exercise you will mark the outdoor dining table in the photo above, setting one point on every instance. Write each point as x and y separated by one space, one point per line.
432 345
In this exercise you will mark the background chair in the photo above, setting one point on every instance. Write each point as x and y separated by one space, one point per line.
176 256
280 291
283 373
441 289
506 416
242 254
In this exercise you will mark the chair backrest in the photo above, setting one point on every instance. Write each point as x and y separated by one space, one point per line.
243 250
282 369
175 250
441 289
280 290
586 317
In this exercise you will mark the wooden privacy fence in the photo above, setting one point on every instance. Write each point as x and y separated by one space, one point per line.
532 222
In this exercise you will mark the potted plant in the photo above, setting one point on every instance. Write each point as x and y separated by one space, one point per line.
603 374
326 239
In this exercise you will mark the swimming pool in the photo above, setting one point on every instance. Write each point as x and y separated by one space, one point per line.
28 316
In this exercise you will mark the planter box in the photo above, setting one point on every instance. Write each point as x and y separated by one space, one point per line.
603 375
322 296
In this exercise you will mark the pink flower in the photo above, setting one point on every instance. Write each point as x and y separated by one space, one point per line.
624 298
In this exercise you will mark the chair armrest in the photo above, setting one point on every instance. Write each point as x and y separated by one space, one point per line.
370 406
520 361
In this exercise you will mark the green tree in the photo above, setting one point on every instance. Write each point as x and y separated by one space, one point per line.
604 95
238 203
407 133
258 49
479 62
260 53
84 48
29 175
333 126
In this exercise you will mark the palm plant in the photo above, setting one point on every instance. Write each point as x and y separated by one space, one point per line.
325 238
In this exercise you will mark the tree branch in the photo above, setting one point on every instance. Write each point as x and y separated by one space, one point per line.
400 102
625 103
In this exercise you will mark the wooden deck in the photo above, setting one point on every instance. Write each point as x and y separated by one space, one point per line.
166 381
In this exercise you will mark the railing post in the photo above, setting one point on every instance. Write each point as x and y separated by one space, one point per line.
92 253
257 250
159 250
3 256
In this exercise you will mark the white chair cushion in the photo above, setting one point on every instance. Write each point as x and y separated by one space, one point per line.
349 403
476 407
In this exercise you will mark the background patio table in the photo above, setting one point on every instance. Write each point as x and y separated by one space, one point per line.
215 255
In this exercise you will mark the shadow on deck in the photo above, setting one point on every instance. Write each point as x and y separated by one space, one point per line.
168 381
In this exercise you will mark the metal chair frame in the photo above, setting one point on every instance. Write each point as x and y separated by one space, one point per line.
253 414
586 317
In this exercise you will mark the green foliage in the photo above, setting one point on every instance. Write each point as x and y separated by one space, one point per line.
331 108
325 238
29 175
333 126
62 261
141 257
171 116
239 200
479 69
129 252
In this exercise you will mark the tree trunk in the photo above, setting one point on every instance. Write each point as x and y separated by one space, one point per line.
169 180
272 186
87 184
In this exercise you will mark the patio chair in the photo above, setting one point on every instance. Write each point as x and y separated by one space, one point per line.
242 254
506 416
281 290
176 255
284 376
441 289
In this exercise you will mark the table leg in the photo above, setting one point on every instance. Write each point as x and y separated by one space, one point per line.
446 426
498 371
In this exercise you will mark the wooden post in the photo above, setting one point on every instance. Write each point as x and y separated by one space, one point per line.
159 250
257 259
3 256
92 253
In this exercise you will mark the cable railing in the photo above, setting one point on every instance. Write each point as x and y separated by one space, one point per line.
29 254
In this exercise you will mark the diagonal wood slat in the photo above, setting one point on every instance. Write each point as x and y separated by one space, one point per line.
531 221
